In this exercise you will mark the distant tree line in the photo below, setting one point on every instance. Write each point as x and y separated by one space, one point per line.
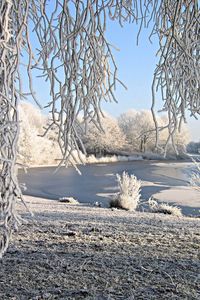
133 131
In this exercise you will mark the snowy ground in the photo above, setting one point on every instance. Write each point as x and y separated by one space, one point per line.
78 252
84 252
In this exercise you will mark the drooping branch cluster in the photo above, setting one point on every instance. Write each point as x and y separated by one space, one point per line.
177 75
77 60
74 32
64 42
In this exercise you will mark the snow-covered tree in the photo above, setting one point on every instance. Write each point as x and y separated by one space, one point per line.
178 142
33 149
108 140
126 122
140 132
139 129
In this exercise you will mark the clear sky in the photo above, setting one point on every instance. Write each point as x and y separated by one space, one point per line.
135 68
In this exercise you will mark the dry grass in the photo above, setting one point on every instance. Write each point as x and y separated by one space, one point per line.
76 252
164 208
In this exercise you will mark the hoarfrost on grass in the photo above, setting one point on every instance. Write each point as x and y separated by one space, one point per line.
164 208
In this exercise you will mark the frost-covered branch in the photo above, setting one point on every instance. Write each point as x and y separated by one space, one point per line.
177 75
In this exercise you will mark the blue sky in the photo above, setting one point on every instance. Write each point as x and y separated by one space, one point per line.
135 68
136 65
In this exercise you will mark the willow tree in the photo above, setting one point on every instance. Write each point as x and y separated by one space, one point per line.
64 41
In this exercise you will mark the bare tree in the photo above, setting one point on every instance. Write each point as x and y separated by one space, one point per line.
73 55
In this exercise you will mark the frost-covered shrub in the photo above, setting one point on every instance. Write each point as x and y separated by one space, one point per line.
195 176
164 208
129 194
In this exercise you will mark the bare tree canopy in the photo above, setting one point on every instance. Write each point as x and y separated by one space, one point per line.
74 57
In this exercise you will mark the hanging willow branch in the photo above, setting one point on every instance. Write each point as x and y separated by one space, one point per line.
64 42
177 74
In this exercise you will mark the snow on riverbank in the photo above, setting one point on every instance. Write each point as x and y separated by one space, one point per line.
91 159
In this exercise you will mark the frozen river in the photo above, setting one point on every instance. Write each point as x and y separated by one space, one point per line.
167 181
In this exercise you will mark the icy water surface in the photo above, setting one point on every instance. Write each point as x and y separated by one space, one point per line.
98 182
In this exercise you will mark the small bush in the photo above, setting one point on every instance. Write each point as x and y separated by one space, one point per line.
129 194
68 200
164 208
